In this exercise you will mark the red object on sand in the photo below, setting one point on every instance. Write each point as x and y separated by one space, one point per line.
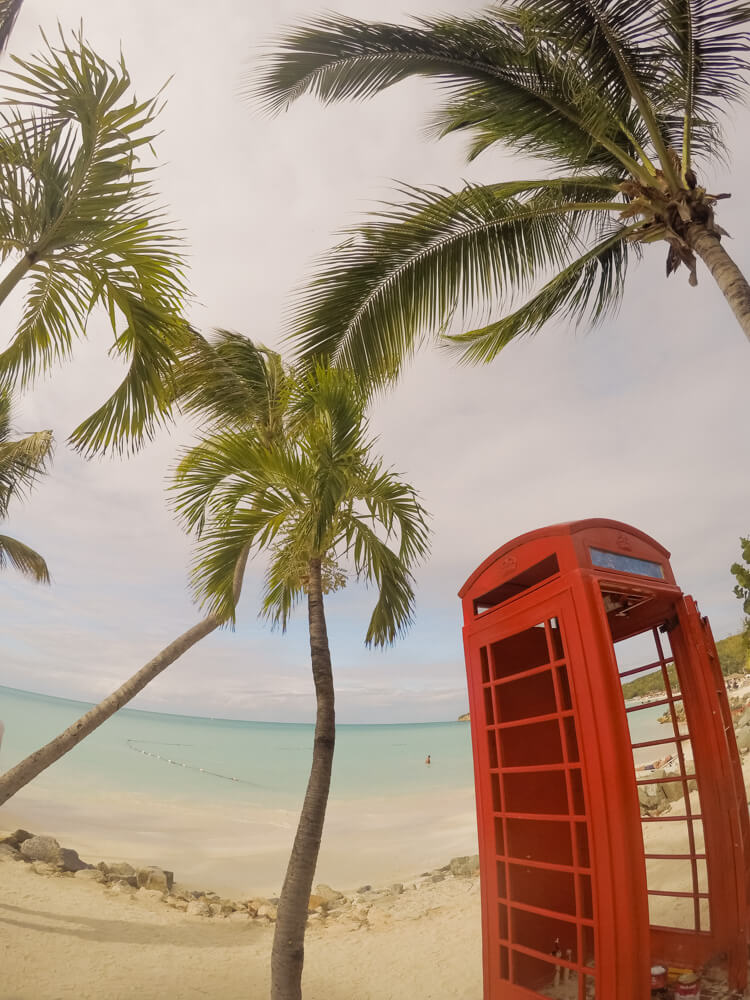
563 816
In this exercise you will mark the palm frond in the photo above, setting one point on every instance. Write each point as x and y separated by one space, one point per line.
705 55
418 264
540 99
590 288
22 461
231 381
24 559
78 205
377 563
9 10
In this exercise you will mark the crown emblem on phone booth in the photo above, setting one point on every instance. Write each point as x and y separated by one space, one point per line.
623 542
509 563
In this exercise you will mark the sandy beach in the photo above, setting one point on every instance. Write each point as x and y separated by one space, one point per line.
65 935
63 938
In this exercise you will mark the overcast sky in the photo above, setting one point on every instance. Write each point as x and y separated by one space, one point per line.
643 420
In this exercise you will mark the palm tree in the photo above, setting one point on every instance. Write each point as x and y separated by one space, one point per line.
248 384
21 462
9 10
623 101
81 229
310 497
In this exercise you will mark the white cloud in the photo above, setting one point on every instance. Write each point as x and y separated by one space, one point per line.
642 420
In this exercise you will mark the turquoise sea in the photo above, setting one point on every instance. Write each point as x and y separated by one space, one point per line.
194 758
217 800
221 759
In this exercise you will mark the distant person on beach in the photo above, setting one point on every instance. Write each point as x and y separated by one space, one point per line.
427 759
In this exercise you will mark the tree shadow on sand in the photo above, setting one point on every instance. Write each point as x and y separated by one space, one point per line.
203 934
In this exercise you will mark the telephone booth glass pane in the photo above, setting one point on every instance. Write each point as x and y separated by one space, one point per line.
542 878
665 778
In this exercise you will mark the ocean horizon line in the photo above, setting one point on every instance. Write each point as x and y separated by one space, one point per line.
221 718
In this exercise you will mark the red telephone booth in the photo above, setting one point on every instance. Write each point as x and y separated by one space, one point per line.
613 831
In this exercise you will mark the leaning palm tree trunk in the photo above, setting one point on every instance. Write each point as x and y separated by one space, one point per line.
288 952
724 271
24 772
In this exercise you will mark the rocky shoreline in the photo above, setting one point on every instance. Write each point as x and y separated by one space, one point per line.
351 910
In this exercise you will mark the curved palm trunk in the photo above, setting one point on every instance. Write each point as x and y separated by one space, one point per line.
725 272
288 952
24 772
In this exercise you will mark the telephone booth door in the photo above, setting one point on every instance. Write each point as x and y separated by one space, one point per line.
543 888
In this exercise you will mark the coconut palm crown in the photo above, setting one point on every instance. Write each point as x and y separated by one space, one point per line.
22 461
623 103
304 487
83 236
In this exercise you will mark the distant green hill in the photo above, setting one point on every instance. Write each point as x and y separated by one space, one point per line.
733 657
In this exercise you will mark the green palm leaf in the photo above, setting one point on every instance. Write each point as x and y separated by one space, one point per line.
78 204
21 557
9 10
420 263
489 59
591 288
312 491
22 461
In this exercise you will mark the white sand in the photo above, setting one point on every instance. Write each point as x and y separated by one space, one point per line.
245 849
61 938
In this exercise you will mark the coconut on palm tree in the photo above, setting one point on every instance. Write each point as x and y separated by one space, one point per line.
22 461
315 500
622 102
81 232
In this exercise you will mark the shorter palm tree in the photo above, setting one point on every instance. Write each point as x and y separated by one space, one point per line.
21 462
313 497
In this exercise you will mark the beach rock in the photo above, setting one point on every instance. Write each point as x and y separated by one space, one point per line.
20 835
268 910
744 719
121 868
154 878
10 853
227 906
397 888
122 888
215 909
149 895
673 790
239 917
198 908
364 888
9 838
41 849
468 865
181 891
43 868
327 894
743 738
103 867
90 875
70 861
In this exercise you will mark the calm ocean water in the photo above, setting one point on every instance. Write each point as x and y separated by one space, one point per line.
193 758
271 761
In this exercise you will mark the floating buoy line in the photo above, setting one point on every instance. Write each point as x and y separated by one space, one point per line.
180 763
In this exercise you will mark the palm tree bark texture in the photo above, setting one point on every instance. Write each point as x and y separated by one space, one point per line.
28 769
288 952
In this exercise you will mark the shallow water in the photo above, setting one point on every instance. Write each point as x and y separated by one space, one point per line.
191 758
